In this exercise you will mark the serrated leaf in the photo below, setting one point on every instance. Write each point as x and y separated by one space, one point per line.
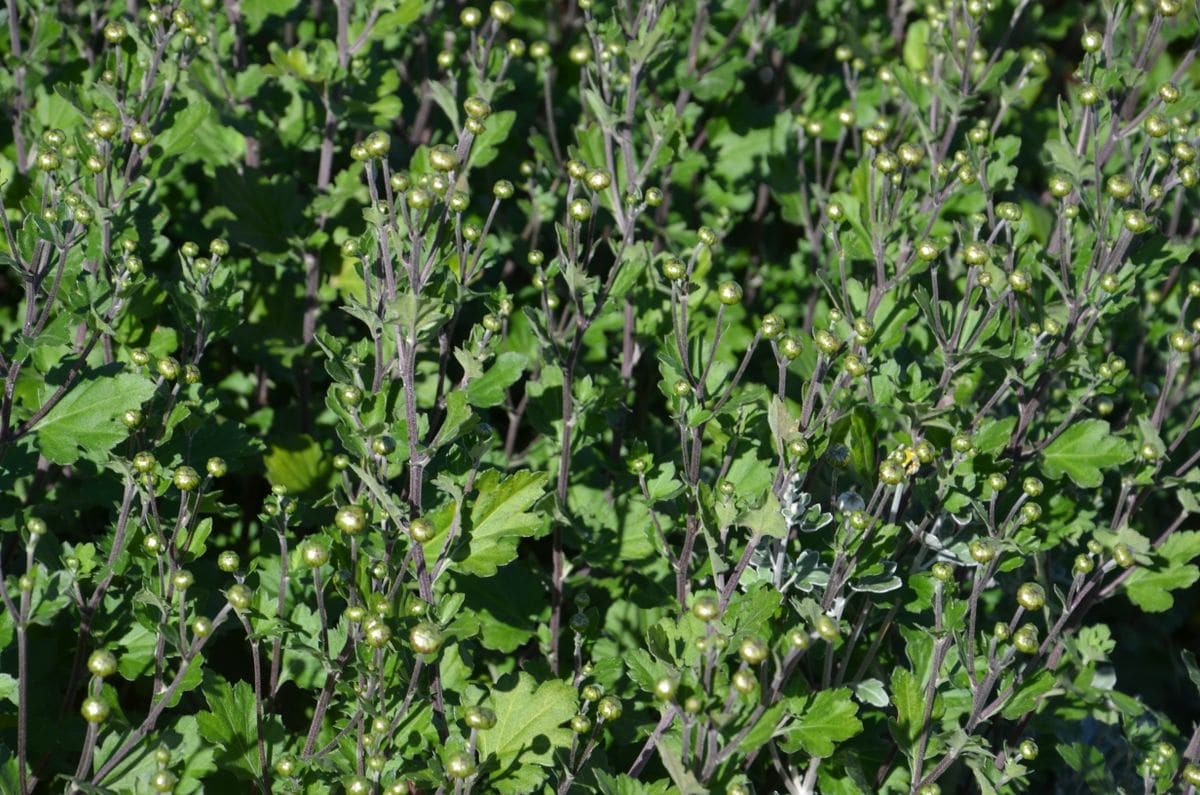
86 421
767 519
910 705
1029 695
298 465
500 518
487 144
488 389
826 719
1082 451
1151 590
994 434
230 724
529 724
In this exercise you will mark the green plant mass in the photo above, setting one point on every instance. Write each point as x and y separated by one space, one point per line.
615 397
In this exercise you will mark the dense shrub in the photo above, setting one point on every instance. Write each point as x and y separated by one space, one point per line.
617 397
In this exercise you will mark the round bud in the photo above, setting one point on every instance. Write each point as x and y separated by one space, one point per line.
911 156
886 162
580 210
185 479
580 724
706 608
1060 186
378 143
228 561
239 596
421 530
168 368
350 519
1136 221
140 134
982 551
477 108
376 634
753 651
1025 639
771 326
665 688
101 663
315 553
470 17
1182 341
501 11
425 638
729 293
443 158
790 347
479 718
1091 41
609 708
826 342
1031 596
598 179
827 628
94 710
744 681
1156 126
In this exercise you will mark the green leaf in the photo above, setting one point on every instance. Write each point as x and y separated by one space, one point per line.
500 518
1082 451
488 390
829 717
230 724
910 706
994 434
1151 590
86 421
298 465
180 137
191 759
508 606
487 145
916 42
684 780
529 725
255 11
1029 695
767 519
